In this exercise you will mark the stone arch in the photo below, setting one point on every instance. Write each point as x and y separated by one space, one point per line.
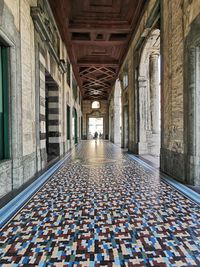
151 45
149 95
192 103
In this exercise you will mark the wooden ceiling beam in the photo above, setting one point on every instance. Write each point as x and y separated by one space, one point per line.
115 29
95 93
107 32
104 70
89 87
103 76
88 21
95 98
88 70
95 81
100 43
88 64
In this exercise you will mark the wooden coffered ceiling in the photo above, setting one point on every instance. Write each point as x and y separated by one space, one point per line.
97 34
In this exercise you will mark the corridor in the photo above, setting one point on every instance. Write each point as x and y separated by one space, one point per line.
103 208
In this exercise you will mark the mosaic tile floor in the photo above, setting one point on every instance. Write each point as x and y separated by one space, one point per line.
103 209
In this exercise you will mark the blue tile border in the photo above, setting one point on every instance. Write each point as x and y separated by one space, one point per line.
186 191
9 210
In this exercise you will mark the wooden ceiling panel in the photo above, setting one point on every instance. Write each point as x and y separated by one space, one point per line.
96 51
83 8
97 34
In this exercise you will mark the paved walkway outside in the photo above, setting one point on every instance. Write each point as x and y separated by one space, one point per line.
103 209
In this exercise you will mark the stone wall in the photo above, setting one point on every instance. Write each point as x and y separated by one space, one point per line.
31 58
28 78
11 170
129 94
175 24
14 8
172 147
177 19
52 86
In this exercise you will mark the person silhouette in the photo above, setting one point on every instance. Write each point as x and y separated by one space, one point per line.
95 136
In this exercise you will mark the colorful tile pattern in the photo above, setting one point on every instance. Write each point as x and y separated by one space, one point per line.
103 209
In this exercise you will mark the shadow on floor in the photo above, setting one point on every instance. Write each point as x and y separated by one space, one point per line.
154 161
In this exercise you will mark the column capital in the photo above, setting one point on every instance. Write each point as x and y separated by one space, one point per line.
155 54
142 81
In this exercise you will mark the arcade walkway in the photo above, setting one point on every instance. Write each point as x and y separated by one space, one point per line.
103 208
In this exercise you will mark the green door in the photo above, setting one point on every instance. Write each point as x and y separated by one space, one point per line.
68 123
4 145
75 126
1 110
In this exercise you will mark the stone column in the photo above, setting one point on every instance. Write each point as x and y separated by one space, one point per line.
126 127
111 130
117 113
192 113
155 93
142 95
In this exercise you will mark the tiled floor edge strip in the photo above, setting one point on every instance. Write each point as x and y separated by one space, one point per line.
16 203
189 193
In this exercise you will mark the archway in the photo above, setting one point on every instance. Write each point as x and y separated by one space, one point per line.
149 97
95 124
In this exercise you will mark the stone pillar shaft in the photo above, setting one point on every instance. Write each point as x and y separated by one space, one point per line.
117 113
142 145
155 93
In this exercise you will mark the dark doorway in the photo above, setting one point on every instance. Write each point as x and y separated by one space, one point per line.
68 123
75 126
52 118
4 101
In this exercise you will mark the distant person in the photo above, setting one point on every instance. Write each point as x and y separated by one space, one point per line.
95 136
100 135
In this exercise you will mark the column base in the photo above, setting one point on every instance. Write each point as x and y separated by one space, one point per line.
153 140
173 164
193 170
142 148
